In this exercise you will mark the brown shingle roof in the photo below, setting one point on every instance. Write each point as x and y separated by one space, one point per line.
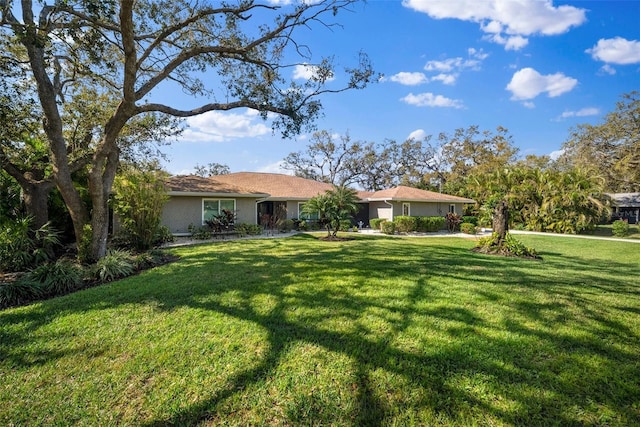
288 187
279 186
187 184
411 194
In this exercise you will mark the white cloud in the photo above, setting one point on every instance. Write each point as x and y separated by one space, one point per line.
275 168
555 155
447 79
450 68
529 104
506 22
446 65
417 135
584 112
478 54
509 43
409 79
428 99
215 126
527 84
308 72
607 69
616 51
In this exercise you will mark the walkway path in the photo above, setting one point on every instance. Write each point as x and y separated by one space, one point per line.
444 233
576 236
184 241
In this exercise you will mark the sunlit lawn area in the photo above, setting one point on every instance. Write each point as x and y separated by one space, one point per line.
372 331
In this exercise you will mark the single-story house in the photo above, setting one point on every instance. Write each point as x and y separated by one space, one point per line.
258 197
626 206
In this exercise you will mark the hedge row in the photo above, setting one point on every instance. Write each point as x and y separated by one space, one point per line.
408 224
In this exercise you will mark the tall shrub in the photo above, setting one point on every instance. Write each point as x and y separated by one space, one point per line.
430 224
376 223
406 224
138 202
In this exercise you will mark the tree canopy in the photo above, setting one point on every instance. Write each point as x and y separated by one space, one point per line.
610 149
423 163
126 51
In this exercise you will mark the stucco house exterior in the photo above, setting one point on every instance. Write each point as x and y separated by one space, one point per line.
256 197
194 199
409 201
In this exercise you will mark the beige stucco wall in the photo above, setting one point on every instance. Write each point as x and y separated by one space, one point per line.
380 210
181 211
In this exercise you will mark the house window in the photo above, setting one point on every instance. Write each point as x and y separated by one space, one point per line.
306 217
214 207
406 209
452 208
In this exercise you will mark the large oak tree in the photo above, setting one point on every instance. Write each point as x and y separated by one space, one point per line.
610 149
237 54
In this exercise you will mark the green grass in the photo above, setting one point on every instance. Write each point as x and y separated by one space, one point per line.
606 230
372 331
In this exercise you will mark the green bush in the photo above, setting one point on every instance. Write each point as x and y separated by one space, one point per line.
468 228
22 248
470 219
163 235
115 265
406 224
620 228
84 248
138 199
200 233
430 224
388 227
285 225
510 246
376 223
345 225
248 230
57 278
19 292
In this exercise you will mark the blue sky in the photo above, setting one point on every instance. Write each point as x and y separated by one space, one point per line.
536 67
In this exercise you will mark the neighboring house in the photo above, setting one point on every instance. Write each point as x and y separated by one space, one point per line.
258 197
626 206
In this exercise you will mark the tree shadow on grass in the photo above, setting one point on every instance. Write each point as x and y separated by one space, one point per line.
496 351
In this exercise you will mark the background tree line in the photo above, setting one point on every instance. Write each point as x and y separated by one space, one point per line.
564 195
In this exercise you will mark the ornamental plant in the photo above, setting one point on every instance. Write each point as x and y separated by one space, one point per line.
620 228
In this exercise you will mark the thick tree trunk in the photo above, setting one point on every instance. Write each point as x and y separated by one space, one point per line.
52 126
35 191
501 221
101 179
101 176
36 197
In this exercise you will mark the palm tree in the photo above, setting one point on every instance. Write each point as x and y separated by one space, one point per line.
332 207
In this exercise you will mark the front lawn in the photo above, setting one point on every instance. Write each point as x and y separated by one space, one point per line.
606 230
371 331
